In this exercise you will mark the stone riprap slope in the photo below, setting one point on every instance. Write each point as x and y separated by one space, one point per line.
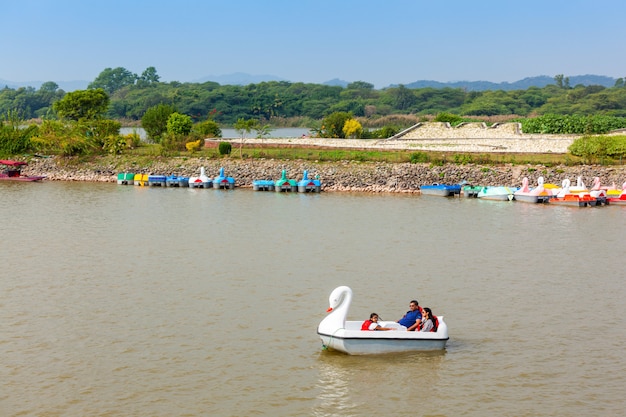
337 176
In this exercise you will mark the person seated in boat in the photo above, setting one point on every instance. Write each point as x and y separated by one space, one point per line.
372 324
428 321
413 318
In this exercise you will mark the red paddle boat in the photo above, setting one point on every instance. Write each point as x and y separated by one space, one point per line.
11 171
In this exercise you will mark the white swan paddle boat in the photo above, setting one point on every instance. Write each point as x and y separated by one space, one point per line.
346 336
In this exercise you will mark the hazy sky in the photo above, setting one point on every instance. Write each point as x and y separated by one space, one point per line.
382 42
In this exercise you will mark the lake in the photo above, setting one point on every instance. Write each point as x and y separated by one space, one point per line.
121 300
281 132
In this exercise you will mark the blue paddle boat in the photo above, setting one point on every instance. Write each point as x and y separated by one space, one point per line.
156 180
223 182
263 185
172 181
183 181
307 185
441 190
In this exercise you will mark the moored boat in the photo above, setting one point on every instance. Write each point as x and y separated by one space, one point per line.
203 181
157 180
471 191
566 198
346 336
263 185
284 184
441 190
306 185
141 180
599 192
496 193
532 195
12 171
125 178
618 200
223 182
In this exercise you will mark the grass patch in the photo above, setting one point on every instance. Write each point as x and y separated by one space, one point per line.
150 152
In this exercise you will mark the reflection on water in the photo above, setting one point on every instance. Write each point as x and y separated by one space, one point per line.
349 384
121 300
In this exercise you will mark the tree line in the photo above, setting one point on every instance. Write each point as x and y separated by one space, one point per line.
131 95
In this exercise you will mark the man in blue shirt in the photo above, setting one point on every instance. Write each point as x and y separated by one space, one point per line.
413 318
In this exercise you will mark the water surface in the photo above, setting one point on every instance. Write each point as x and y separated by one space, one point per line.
121 300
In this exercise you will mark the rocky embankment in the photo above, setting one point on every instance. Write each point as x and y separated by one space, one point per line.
338 176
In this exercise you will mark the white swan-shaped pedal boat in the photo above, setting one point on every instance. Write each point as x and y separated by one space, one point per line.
346 336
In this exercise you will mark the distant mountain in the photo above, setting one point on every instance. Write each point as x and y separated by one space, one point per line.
539 81
336 82
63 85
239 78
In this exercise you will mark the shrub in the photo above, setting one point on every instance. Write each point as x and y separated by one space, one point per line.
591 148
179 124
572 124
99 131
174 142
225 148
193 146
208 128
332 125
419 157
114 144
13 138
66 139
453 119
133 140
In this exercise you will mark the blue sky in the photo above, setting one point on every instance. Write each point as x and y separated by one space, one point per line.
381 42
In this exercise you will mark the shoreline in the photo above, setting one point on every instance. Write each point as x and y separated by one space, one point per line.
344 176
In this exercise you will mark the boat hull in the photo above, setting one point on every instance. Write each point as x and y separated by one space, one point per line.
440 190
533 199
353 341
22 179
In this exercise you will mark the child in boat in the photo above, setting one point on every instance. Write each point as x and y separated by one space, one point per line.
372 324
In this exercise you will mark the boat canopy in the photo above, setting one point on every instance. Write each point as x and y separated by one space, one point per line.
12 163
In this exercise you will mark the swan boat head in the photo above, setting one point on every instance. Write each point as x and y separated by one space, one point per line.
339 304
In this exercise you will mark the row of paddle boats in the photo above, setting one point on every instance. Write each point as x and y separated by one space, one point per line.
305 185
155 180
220 182
569 195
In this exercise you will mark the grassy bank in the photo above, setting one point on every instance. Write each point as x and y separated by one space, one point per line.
366 155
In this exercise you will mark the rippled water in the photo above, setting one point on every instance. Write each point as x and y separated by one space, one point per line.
120 300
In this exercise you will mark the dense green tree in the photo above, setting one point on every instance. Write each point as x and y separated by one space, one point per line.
82 104
179 124
403 98
154 121
49 86
149 76
113 79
